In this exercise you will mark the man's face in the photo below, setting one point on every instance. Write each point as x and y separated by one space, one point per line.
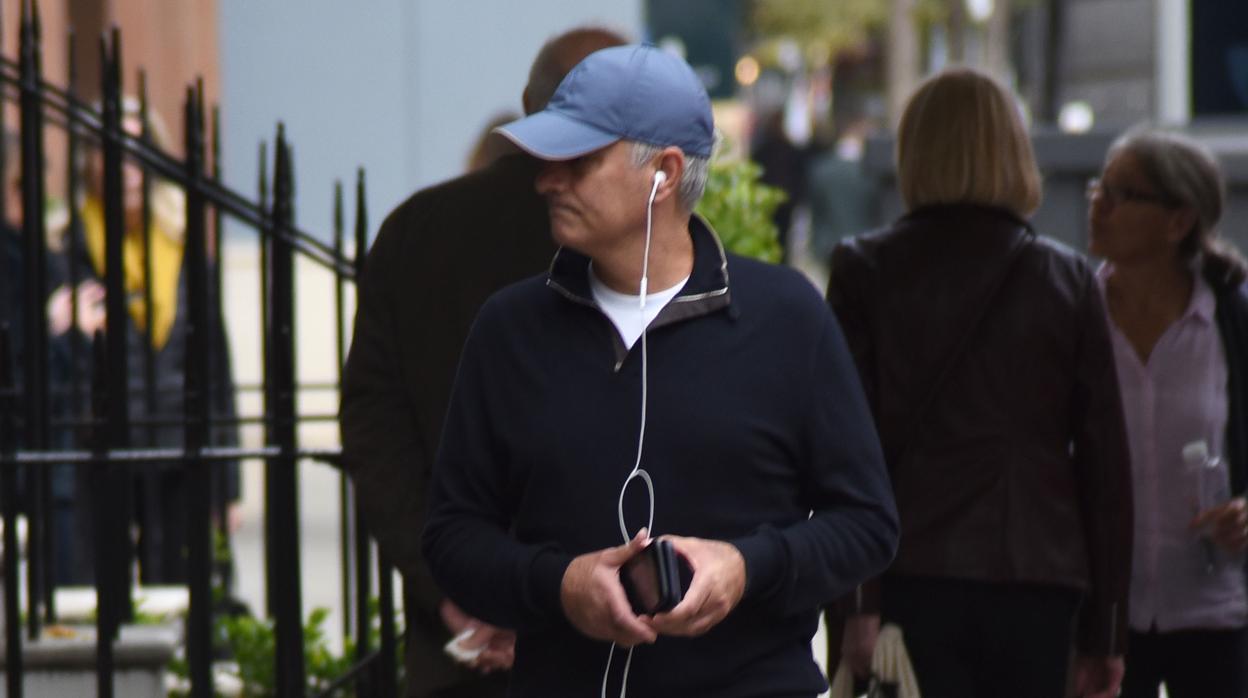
596 201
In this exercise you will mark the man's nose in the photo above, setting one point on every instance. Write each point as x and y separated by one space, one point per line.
553 178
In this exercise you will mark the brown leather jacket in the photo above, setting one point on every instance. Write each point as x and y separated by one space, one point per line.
1018 471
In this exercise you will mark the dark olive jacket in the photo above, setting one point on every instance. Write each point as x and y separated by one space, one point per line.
436 259
1019 469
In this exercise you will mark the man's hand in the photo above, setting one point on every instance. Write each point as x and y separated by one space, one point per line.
717 586
498 646
454 618
1098 677
858 642
1226 524
593 598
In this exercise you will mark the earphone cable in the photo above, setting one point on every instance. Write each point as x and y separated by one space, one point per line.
637 470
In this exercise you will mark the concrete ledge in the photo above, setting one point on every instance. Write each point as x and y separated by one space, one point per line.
65 666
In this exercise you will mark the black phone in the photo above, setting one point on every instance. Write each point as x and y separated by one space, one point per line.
652 579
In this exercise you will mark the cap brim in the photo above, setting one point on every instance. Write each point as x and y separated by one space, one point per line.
549 135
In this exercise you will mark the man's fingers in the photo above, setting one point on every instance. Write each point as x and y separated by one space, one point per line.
490 660
480 638
623 553
629 629
682 619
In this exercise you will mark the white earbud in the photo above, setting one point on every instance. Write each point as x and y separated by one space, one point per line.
659 178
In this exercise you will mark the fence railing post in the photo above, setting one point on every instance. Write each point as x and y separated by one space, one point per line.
35 378
122 381
113 576
345 508
387 684
8 506
363 543
105 543
281 477
195 386
149 307
73 252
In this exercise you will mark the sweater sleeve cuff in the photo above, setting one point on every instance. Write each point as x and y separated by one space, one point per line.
763 557
546 578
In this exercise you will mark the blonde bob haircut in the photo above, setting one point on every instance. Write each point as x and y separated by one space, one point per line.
962 140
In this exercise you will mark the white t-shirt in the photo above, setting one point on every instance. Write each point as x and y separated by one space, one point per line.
625 309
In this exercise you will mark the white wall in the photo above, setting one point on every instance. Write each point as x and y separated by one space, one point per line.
400 87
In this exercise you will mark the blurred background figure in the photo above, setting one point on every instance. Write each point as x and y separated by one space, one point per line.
71 562
156 334
1003 436
784 167
1178 315
842 197
487 149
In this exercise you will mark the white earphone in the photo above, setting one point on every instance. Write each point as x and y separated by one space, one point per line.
659 178
638 472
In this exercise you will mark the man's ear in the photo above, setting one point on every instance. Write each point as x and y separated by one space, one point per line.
671 162
526 101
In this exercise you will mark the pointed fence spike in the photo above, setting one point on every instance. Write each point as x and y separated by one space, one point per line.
263 177
116 62
216 141
361 223
71 53
338 214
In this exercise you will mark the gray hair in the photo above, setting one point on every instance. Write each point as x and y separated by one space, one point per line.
1187 175
692 183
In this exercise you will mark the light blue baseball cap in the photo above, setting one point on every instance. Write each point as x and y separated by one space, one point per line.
636 93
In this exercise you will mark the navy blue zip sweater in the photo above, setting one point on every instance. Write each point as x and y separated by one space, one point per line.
758 434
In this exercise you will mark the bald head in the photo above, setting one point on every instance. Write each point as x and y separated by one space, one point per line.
560 55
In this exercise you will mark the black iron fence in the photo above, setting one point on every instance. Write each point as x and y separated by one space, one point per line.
97 412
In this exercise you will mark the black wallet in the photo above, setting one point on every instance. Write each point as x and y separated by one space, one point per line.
652 579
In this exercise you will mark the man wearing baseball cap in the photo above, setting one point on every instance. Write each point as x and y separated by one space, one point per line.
649 384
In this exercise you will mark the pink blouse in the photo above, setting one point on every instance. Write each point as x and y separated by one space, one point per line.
1177 397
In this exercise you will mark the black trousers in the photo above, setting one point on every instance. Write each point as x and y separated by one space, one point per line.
976 639
1192 664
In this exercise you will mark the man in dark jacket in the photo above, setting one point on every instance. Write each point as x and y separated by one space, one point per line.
438 256
589 413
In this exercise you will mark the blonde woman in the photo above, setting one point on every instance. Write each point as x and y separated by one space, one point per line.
1179 323
985 355
161 491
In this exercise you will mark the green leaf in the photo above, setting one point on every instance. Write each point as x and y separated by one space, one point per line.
739 207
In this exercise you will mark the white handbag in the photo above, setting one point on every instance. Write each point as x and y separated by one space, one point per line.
890 665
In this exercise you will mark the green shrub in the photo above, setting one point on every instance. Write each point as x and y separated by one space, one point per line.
740 208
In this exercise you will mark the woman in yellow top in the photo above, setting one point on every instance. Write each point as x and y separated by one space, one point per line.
156 409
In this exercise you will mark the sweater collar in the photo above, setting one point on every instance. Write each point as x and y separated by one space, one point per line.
705 292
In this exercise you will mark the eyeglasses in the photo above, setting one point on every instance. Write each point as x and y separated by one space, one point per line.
1124 195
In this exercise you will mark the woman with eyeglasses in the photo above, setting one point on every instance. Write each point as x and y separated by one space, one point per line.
1178 313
